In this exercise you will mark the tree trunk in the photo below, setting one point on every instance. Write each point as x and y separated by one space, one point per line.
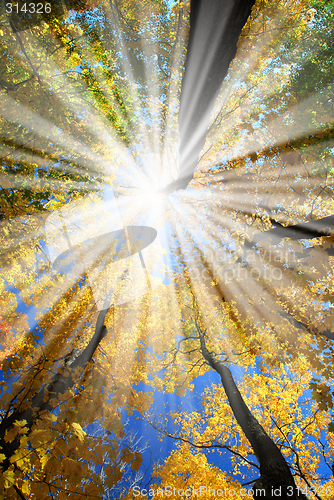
215 27
275 473
302 231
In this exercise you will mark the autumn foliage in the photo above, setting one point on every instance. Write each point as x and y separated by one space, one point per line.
90 101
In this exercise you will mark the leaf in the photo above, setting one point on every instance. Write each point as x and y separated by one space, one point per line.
20 423
137 461
78 430
25 488
113 475
331 427
9 478
44 460
10 434
127 455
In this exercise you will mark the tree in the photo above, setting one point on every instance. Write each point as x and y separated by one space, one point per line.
298 435
42 401
206 66
94 100
257 194
47 372
54 389
51 390
274 394
274 470
53 151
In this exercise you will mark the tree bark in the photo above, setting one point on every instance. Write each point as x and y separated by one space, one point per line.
215 27
302 231
275 472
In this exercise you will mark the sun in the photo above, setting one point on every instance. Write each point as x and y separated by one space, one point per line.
154 197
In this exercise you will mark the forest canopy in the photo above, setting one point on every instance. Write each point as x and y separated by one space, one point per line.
167 246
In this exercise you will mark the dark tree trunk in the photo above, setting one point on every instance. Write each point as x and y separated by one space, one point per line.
302 231
275 472
215 27
59 383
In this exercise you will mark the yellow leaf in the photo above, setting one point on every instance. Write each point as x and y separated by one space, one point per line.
78 430
20 423
43 459
9 478
25 488
18 457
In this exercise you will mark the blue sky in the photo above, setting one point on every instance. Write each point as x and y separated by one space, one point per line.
157 451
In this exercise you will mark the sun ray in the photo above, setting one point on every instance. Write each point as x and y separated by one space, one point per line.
245 253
